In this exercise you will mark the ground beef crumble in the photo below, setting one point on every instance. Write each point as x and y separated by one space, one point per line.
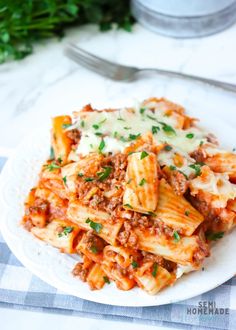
178 182
212 139
40 207
127 237
94 241
169 265
74 135
199 155
80 272
109 192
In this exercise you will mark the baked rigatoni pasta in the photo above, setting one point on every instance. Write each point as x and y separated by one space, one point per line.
58 233
139 193
88 218
152 278
175 211
141 189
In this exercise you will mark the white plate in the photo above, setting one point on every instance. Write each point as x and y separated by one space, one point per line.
217 111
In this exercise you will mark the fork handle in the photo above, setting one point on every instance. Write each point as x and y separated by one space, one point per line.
217 83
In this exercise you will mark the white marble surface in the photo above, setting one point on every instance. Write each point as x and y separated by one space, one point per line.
27 85
26 88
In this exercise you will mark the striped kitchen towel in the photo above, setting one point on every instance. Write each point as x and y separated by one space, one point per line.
20 289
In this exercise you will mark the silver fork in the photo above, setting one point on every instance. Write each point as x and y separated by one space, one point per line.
120 72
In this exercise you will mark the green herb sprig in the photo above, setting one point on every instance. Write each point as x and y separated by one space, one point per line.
134 264
52 166
176 236
155 269
105 174
94 225
214 236
66 231
106 279
197 168
22 23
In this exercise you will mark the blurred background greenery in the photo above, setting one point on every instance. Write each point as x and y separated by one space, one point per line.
23 22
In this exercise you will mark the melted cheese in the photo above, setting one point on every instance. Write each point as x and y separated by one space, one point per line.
167 158
215 184
181 270
212 150
119 129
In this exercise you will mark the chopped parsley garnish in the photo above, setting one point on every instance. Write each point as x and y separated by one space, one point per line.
115 134
172 167
98 133
201 143
197 168
105 174
64 179
97 126
211 236
66 231
82 123
168 148
94 225
102 121
155 129
88 179
154 269
167 128
143 154
66 125
128 205
187 212
189 135
80 174
106 279
176 237
94 249
130 138
151 117
59 160
133 136
123 139
134 264
128 182
101 145
52 166
142 182
142 110
52 154
186 177
152 214
120 118
127 128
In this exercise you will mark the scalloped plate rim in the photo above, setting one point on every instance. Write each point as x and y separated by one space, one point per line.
99 298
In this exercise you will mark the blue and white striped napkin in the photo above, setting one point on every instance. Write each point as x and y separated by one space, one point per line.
21 290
